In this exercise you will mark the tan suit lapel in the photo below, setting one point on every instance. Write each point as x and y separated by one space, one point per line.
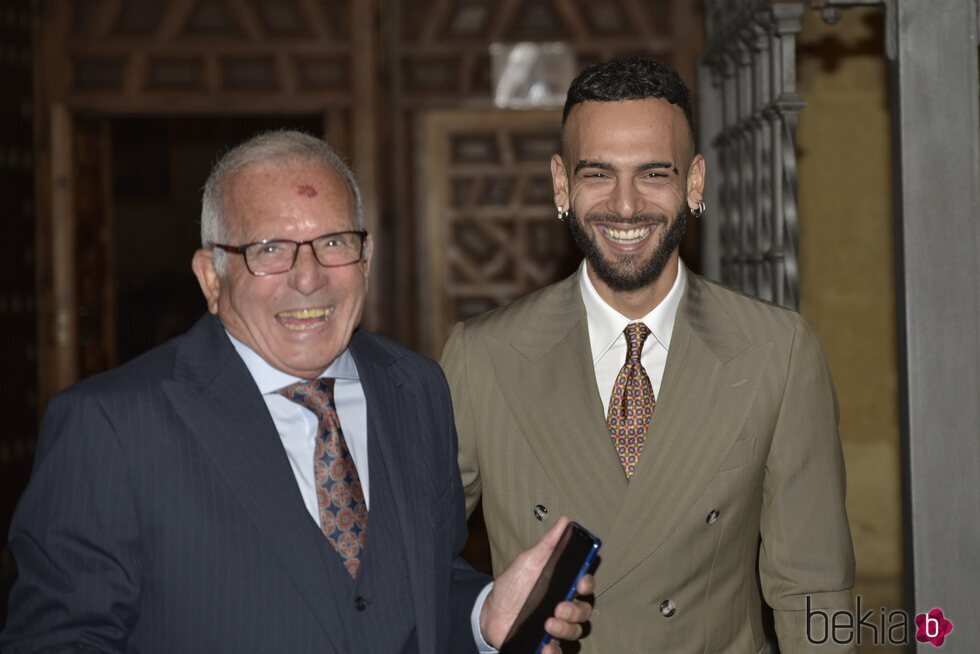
546 376
711 375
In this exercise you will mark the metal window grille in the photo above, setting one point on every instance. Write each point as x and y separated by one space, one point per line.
748 111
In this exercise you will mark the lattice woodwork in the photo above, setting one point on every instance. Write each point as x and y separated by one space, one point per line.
204 55
492 233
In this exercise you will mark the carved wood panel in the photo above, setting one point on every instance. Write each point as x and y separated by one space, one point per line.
491 234
205 54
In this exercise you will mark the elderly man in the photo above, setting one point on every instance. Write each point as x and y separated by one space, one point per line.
704 420
271 481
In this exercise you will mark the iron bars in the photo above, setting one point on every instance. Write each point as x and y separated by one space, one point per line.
748 111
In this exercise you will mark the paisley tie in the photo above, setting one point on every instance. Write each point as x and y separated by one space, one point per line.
339 496
631 403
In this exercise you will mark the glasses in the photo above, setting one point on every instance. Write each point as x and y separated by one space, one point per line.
272 257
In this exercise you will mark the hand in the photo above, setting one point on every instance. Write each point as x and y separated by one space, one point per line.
513 585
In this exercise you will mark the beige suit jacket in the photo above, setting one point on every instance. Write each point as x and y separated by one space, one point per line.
743 450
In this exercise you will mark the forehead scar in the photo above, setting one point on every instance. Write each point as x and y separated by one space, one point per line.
307 190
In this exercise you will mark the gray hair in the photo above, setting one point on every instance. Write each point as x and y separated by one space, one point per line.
279 146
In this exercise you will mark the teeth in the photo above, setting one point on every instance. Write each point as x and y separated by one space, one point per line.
305 314
626 235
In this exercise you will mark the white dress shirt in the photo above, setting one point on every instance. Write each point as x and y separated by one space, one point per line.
297 427
608 341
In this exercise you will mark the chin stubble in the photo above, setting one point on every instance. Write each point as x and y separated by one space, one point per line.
628 272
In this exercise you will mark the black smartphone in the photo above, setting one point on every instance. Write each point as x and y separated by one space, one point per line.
572 558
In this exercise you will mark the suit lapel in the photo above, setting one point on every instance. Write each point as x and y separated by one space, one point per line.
711 376
393 428
216 397
550 388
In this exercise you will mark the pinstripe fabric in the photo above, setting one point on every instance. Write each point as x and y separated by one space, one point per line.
746 425
163 516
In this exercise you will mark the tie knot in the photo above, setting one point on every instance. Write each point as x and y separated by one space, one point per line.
316 394
636 335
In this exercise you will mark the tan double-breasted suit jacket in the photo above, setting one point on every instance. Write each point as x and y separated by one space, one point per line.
739 491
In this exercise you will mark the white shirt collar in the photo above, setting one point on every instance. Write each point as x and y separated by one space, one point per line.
270 379
606 324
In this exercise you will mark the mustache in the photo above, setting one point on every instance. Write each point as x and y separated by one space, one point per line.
638 219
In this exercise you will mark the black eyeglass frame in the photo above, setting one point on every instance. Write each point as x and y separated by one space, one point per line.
240 249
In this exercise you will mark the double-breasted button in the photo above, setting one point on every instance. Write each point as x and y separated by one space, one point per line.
667 608
360 603
713 516
540 511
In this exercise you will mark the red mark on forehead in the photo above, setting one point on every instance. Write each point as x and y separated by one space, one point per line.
307 190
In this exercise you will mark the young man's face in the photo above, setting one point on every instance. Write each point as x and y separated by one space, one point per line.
628 176
298 321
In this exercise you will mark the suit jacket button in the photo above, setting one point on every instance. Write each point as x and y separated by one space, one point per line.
713 516
667 609
540 511
360 603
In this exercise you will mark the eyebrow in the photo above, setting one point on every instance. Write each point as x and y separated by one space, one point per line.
650 165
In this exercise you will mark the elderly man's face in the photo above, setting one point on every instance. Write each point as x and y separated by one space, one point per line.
298 321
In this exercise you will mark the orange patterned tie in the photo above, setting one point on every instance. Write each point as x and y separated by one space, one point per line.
343 511
631 403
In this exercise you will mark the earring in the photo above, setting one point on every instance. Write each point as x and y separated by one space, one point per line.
562 214
698 211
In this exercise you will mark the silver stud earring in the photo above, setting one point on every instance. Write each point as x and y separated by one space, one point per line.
562 214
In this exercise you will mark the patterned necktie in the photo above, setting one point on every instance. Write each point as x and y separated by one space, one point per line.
339 496
631 403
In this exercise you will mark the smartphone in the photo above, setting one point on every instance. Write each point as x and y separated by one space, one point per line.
572 558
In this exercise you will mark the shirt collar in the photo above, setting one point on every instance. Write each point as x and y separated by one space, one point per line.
270 379
606 324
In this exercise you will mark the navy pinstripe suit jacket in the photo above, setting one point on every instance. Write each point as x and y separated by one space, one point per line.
163 516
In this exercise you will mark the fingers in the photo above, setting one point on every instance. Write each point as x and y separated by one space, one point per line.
586 585
567 621
563 630
575 611
551 648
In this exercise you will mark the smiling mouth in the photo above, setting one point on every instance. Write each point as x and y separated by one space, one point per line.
626 236
304 319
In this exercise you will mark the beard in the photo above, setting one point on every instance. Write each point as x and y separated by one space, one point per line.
629 272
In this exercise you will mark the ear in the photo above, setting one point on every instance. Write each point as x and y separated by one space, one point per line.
203 266
695 181
368 255
559 183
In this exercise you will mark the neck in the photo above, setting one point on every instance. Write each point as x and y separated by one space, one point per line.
638 303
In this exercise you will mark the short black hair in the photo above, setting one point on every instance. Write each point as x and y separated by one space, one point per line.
629 78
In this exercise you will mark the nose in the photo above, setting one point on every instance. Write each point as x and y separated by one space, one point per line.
625 200
307 274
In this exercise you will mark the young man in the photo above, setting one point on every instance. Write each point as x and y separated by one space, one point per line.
693 429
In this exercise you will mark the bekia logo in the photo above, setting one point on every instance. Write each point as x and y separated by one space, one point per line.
877 627
932 627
